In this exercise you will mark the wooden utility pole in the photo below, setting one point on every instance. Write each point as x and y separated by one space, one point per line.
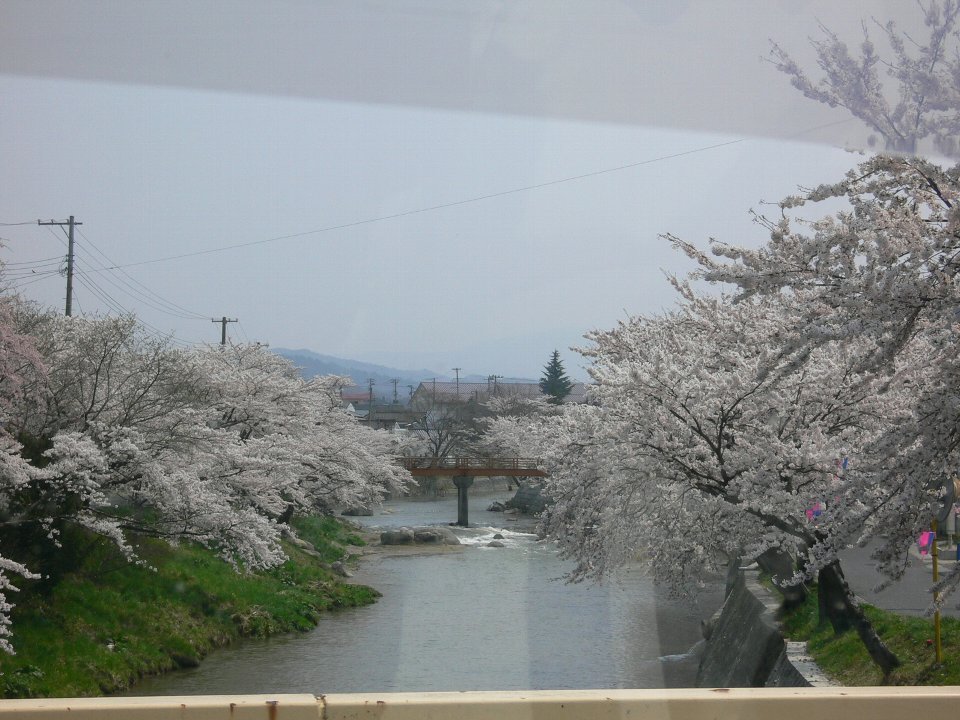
223 329
70 224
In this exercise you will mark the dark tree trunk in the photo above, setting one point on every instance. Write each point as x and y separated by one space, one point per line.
838 606
780 565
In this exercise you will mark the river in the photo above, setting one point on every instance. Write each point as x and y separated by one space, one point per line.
480 618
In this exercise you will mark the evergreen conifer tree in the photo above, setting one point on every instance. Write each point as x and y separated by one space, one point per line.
555 383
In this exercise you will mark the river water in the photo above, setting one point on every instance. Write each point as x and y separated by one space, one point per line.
476 618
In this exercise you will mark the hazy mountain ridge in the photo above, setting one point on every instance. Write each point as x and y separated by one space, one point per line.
313 363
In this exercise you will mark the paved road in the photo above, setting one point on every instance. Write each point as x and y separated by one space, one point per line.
911 595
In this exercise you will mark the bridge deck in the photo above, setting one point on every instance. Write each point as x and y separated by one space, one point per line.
473 467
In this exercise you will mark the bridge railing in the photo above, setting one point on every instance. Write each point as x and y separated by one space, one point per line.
869 703
470 463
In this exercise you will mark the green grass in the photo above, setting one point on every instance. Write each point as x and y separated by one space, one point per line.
327 534
108 622
844 658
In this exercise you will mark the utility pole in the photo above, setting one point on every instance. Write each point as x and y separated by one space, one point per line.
395 381
371 382
223 329
71 223
457 371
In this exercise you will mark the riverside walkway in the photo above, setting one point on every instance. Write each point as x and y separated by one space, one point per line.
464 469
911 594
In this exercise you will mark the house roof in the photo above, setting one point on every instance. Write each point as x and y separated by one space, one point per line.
450 391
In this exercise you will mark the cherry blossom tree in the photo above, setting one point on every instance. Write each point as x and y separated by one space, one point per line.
318 454
880 276
19 365
126 435
924 76
714 437
508 419
116 411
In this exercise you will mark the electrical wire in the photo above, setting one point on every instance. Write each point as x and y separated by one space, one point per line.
118 285
58 238
161 304
172 308
23 282
58 258
243 332
27 271
90 284
432 208
151 330
457 203
115 305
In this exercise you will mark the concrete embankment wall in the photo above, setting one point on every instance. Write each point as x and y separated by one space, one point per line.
744 646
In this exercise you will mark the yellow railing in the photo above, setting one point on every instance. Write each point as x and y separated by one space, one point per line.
875 703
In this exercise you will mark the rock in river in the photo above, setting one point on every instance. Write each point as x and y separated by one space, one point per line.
420 535
401 536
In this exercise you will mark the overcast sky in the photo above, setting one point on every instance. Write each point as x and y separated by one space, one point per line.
420 183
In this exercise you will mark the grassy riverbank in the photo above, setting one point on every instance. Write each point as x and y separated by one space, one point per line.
845 658
107 622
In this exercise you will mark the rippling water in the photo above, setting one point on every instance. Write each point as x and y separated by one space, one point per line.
479 618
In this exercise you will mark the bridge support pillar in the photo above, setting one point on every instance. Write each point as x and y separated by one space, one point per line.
463 483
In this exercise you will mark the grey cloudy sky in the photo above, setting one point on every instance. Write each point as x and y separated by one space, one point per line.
174 128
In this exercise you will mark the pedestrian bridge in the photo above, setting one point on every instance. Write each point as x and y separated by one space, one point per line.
464 469
872 703
473 467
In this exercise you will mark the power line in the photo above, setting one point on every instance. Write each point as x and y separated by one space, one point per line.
133 293
23 282
431 208
243 332
58 258
56 237
83 277
115 305
118 283
172 307
104 296
455 203
28 272
56 267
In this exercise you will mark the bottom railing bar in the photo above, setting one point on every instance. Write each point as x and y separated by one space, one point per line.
869 703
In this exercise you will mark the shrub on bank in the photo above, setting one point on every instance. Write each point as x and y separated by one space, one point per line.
108 622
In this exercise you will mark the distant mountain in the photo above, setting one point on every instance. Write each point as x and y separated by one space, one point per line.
312 364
